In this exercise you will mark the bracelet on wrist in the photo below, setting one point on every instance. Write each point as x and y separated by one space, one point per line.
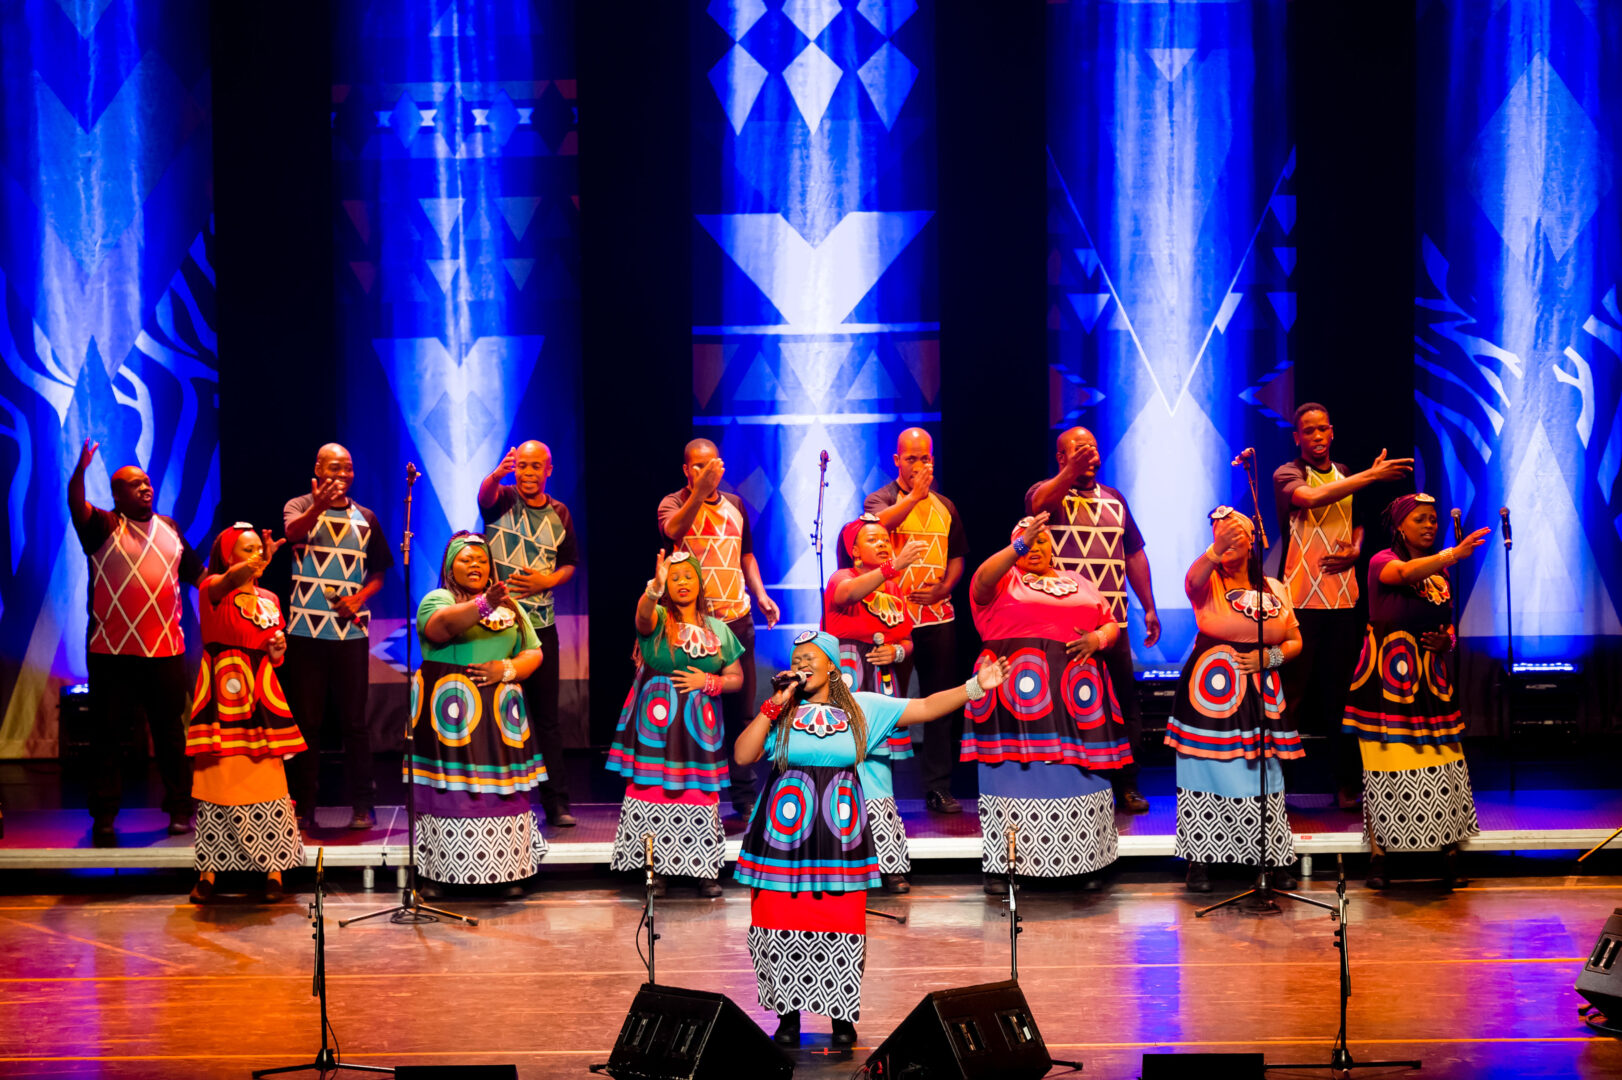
482 602
509 671
1274 656
900 653
770 709
973 688
889 571
1021 548
654 591
712 685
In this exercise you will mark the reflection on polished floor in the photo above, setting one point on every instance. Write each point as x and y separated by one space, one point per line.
100 982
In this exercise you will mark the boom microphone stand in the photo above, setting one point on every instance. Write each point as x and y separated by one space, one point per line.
1015 929
410 910
1340 1058
816 526
1262 894
326 1059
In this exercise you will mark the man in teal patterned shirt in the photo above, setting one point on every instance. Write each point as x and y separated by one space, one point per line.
339 559
532 541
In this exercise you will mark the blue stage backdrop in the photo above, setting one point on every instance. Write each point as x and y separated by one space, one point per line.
457 246
1518 329
106 307
1171 213
814 290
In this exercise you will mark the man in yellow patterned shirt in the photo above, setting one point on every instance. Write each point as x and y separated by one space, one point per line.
1319 566
713 526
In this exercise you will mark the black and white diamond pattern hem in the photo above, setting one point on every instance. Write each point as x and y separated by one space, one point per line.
889 836
1216 829
1053 837
688 841
809 970
479 850
1419 809
258 836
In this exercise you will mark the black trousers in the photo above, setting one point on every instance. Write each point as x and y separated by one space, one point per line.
122 688
326 684
541 702
736 712
1118 662
934 657
1316 685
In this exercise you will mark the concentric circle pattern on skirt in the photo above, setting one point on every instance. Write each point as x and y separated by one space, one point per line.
809 970
1419 809
889 836
688 841
1054 838
1216 829
479 850
257 836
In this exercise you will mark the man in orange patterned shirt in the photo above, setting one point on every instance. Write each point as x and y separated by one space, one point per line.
1319 567
713 526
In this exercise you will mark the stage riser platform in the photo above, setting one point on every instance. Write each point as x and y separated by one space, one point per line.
1524 821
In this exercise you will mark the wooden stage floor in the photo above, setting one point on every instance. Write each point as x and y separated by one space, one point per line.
102 982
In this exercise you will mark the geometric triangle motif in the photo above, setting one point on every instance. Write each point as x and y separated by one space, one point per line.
928 523
715 540
1089 540
527 537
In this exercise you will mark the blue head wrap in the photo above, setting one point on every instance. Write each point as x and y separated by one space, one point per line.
822 640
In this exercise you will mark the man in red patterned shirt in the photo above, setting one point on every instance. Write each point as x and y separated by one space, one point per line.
138 560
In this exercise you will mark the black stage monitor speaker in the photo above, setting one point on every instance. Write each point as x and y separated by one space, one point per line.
1601 978
1204 1067
456 1072
676 1034
969 1033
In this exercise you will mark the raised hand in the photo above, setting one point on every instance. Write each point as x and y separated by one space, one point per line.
1231 535
1034 529
992 675
508 463
661 570
709 477
1390 468
268 547
326 493
85 454
910 552
1467 547
922 480
496 593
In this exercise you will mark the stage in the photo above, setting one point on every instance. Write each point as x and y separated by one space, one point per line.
147 986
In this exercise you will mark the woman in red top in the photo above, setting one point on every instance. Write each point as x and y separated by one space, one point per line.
241 729
863 608
1047 740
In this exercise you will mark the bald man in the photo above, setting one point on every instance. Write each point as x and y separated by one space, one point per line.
533 544
713 526
1093 533
339 559
135 647
911 508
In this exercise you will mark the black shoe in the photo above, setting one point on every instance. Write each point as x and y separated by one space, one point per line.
103 834
430 890
178 825
788 1029
1284 881
941 802
202 892
365 818
1132 801
562 819
1452 878
1349 798
844 1033
896 884
273 893
306 823
709 888
735 826
1377 878
1093 882
997 885
1199 880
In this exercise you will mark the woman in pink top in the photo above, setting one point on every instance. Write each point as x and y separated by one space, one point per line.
1053 726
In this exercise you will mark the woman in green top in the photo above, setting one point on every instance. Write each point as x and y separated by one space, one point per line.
670 746
472 755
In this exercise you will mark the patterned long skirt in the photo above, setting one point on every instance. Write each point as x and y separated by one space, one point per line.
1062 818
889 836
1416 798
260 836
485 850
809 951
688 840
1219 812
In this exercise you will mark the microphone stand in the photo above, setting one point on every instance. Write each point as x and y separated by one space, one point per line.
1340 1057
326 1059
1015 929
647 901
410 910
1262 895
816 526
1509 601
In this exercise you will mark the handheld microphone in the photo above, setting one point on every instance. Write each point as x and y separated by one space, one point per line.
1509 537
783 678
1244 456
1458 526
